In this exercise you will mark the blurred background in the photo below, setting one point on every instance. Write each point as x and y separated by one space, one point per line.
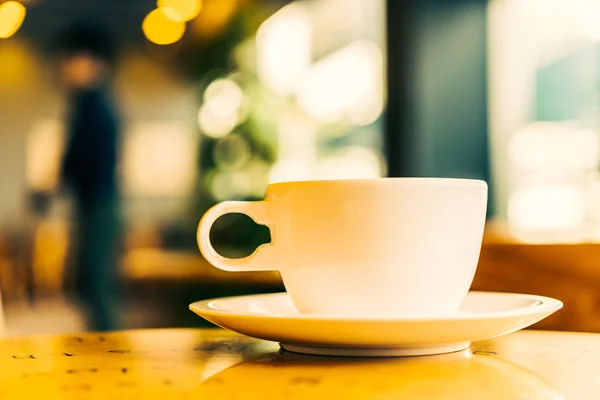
122 122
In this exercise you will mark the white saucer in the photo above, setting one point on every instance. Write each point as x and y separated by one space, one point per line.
483 315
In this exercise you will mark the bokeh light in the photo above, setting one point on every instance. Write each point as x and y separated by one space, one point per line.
214 126
288 171
546 146
224 97
284 49
159 159
220 113
12 14
160 29
346 84
45 144
296 146
181 10
547 209
232 152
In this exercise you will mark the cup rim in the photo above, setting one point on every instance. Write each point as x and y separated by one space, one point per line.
427 181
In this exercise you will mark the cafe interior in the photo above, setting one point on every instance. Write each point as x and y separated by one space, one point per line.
213 100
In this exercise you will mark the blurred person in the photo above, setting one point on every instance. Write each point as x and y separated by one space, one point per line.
86 56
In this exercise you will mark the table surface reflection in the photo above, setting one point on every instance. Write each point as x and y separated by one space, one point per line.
215 364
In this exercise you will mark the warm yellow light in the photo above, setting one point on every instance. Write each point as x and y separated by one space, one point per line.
547 212
214 17
181 10
347 85
224 97
548 146
288 171
284 49
159 160
12 14
216 126
161 29
45 145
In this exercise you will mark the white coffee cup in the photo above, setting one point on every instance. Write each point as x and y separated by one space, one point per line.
390 247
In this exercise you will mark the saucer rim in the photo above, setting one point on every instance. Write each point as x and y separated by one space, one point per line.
545 305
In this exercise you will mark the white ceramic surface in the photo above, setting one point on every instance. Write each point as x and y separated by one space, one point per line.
483 315
394 247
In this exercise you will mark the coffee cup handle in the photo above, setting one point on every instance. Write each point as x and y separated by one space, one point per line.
260 260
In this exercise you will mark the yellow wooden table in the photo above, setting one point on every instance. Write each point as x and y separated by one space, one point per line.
214 364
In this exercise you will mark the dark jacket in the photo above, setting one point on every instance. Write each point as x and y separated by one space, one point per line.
90 163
